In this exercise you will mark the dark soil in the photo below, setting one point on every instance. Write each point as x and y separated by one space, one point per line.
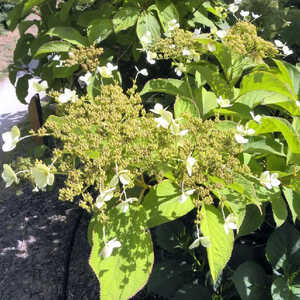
43 248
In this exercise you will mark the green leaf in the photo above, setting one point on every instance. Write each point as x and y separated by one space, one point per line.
68 34
221 244
281 291
250 280
274 124
169 86
148 22
127 270
54 46
253 219
125 18
22 88
162 204
64 12
283 249
279 208
99 29
185 106
293 200
166 12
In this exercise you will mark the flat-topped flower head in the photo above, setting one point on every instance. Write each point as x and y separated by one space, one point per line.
269 180
106 71
223 103
10 139
230 223
86 78
203 240
68 96
104 197
42 176
109 247
190 162
9 176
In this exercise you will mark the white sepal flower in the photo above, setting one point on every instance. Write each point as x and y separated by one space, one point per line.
230 223
269 180
189 164
173 24
165 119
58 58
178 72
244 13
185 194
223 102
151 57
124 205
11 138
255 16
240 139
109 247
238 2
9 176
233 8
124 177
104 197
86 78
68 96
298 103
42 176
287 51
245 130
106 71
203 240
144 72
186 52
256 118
40 87
278 43
158 109
221 34
197 32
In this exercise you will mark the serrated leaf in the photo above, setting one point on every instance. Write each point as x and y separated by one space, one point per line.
281 291
162 204
250 280
127 270
68 34
221 244
293 200
125 18
279 208
99 29
167 11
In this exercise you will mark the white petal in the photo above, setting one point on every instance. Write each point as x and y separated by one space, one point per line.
240 139
278 43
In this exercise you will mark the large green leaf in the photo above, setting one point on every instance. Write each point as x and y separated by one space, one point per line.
281 290
293 200
99 29
64 12
55 46
221 244
148 22
68 34
283 249
280 212
274 124
125 18
250 280
127 270
162 204
185 106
